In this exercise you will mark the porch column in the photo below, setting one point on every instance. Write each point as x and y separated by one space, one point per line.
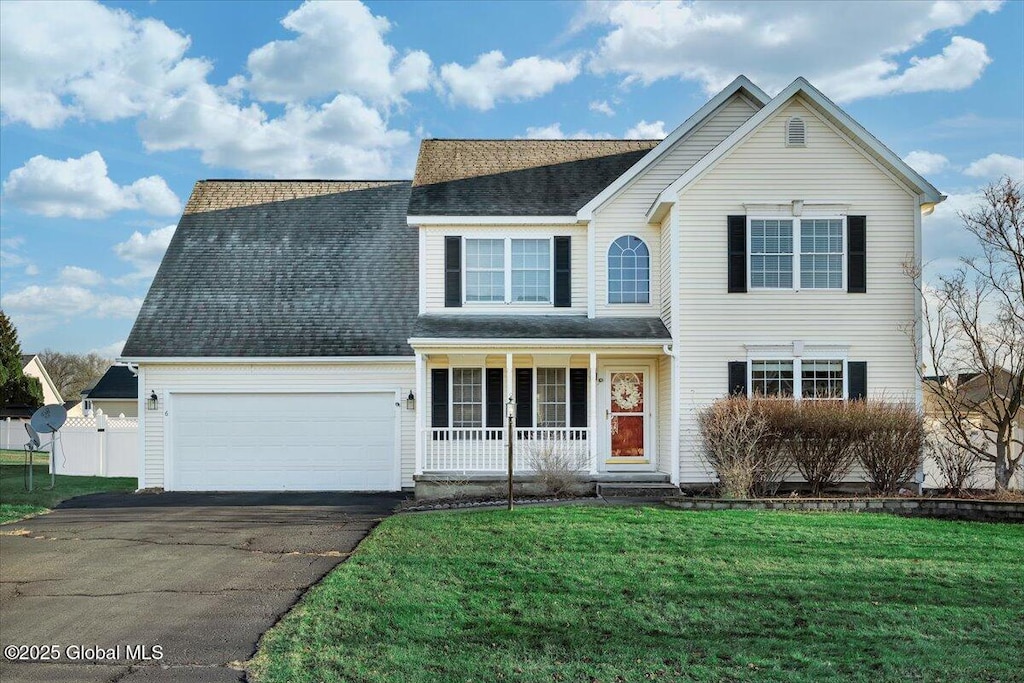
592 417
421 397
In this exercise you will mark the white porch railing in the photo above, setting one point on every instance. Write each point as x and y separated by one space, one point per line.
476 449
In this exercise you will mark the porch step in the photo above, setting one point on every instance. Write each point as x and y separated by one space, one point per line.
637 489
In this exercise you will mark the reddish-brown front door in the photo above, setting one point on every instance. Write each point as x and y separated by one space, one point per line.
628 396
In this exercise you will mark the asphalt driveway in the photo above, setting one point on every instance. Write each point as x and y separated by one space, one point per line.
202 576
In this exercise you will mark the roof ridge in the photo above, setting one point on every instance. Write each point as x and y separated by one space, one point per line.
548 140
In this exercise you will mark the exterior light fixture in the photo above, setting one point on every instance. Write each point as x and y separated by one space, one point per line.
410 401
153 402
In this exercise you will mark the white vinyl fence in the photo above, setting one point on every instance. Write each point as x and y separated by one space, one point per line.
98 446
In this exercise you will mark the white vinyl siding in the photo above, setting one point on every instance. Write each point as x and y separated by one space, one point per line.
283 378
715 326
624 214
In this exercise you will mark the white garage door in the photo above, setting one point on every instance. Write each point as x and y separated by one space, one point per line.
283 442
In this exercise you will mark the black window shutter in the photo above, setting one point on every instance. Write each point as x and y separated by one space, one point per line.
452 272
857 382
737 378
524 397
439 398
856 254
563 272
737 254
578 397
495 397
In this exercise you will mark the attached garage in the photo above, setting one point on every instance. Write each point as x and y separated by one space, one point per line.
284 442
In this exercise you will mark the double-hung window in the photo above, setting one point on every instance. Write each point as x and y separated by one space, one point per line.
771 253
509 270
771 378
485 270
821 253
552 397
467 401
803 378
787 253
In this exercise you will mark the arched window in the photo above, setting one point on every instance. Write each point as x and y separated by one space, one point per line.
629 271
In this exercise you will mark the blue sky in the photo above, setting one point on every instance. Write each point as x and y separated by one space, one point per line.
110 112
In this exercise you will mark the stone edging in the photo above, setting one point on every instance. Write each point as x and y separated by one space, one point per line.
946 508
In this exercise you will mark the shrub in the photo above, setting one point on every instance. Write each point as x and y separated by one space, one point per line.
741 447
821 439
891 444
957 465
557 466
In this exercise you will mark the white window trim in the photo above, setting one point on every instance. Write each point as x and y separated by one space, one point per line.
785 354
607 273
797 229
508 270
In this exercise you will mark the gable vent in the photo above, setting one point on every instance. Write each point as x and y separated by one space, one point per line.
796 132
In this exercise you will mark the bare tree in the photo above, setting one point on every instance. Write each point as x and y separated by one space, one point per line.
72 373
972 330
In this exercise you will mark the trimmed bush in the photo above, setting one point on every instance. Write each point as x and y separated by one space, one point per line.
892 444
742 448
753 445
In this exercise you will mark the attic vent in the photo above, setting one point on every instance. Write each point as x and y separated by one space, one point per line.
796 132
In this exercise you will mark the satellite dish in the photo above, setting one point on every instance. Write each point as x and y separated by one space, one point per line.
49 419
33 437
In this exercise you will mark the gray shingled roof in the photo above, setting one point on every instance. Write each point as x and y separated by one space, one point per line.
117 382
517 177
537 327
281 269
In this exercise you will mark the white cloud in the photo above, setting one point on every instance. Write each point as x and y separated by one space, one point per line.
87 61
112 350
66 301
145 251
647 131
342 138
926 162
81 188
76 275
602 107
995 166
490 79
340 48
12 255
849 49
960 64
83 60
554 132
944 238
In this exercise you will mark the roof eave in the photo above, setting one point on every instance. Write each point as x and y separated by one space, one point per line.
740 83
800 86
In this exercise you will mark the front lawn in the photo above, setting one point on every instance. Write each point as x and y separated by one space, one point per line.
16 502
639 594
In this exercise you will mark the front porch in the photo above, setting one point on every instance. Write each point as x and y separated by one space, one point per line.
602 413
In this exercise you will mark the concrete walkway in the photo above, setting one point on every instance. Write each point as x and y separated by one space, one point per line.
202 576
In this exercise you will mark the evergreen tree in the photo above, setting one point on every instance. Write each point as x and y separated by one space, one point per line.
16 390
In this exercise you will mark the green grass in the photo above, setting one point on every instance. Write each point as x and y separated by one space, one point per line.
641 594
16 502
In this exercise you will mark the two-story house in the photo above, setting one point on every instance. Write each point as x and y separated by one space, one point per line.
373 335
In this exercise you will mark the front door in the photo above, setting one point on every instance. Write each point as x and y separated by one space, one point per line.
628 412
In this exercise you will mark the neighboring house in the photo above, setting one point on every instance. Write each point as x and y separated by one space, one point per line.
32 366
972 391
342 335
116 393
